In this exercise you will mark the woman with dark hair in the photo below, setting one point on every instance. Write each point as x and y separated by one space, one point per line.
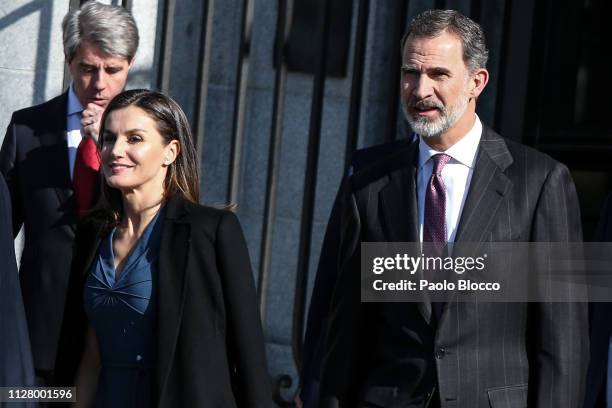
161 309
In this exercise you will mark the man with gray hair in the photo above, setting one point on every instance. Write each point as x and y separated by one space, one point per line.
50 163
458 182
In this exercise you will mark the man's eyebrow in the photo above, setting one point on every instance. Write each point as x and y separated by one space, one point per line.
433 70
439 70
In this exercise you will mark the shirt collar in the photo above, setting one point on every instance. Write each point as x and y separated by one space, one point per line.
74 106
464 151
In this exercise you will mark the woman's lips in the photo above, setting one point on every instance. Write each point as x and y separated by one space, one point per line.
118 168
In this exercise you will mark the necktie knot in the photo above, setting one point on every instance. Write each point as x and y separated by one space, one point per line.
439 161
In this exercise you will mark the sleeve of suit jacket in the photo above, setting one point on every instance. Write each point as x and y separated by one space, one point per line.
346 342
9 168
15 356
316 330
559 344
243 321
326 276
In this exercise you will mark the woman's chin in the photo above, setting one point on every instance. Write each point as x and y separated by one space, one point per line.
118 184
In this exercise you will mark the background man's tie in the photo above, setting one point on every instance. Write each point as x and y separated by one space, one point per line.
86 167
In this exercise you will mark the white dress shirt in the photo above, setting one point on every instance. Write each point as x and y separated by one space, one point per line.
457 175
73 127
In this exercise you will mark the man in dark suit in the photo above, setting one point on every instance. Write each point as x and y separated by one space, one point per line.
49 160
15 356
459 182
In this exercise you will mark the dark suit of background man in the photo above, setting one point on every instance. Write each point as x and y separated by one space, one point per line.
456 354
46 158
15 356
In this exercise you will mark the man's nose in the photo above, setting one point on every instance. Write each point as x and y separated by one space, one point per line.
100 80
422 88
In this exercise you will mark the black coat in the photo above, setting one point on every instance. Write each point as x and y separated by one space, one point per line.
210 341
15 357
34 161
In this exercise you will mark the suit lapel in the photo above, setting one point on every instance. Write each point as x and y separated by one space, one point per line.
487 189
92 254
398 198
486 193
174 250
400 210
54 138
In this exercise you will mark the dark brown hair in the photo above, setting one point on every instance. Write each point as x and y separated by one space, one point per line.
182 178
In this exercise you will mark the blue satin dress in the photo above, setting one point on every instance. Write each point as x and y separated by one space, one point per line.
123 314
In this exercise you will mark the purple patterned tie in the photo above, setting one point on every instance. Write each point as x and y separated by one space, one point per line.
434 224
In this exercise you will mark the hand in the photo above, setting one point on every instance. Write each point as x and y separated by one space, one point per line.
90 120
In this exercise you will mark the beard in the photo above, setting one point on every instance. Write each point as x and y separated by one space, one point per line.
431 127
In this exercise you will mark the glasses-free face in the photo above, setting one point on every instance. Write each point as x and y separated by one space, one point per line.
135 156
97 77
436 85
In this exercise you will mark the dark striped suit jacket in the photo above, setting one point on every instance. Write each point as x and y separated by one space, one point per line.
480 354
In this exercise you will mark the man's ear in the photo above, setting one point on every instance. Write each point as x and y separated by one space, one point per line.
478 81
132 62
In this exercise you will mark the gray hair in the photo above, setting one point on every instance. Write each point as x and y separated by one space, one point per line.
111 29
432 23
